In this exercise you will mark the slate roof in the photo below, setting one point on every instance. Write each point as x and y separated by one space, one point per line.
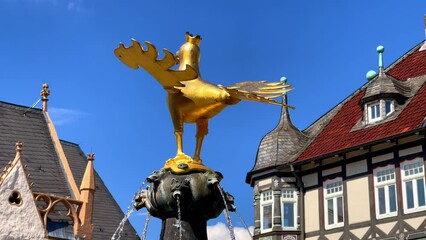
385 86
343 128
28 125
282 145
107 213
19 123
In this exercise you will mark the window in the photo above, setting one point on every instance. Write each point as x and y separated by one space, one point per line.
266 211
15 198
375 110
389 108
333 203
413 185
289 208
385 191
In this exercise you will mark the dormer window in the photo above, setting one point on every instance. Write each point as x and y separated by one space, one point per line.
374 112
389 107
378 110
383 96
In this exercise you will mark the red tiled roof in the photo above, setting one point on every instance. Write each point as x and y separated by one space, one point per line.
412 66
337 135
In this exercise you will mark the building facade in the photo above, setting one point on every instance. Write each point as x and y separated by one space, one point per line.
358 172
48 187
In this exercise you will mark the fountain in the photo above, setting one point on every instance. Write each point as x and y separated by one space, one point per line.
184 202
185 193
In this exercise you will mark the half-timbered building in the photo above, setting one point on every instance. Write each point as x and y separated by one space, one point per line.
358 172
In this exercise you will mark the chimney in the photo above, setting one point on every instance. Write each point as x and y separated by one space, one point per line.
87 195
424 24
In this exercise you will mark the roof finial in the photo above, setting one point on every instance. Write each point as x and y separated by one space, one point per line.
90 156
284 81
44 94
371 75
380 50
18 149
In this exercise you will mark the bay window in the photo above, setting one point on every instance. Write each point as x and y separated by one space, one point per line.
266 211
289 208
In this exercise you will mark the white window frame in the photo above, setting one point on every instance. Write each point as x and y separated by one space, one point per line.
370 107
384 178
412 175
266 199
392 106
379 108
289 196
333 190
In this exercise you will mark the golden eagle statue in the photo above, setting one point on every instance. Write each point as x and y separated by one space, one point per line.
190 98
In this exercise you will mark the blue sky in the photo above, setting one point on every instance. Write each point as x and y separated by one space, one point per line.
324 48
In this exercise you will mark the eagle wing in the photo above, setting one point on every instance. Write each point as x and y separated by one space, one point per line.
261 91
135 56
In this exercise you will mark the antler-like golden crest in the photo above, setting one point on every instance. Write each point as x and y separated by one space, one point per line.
135 56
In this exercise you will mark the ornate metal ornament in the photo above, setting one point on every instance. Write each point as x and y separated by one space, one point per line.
190 98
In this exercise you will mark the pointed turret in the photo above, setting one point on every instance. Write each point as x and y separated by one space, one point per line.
87 195
281 145
88 182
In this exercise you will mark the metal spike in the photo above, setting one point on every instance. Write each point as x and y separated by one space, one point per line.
273 96
273 87
274 83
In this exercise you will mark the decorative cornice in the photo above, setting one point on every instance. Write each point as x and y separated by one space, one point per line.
63 159
8 168
50 201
